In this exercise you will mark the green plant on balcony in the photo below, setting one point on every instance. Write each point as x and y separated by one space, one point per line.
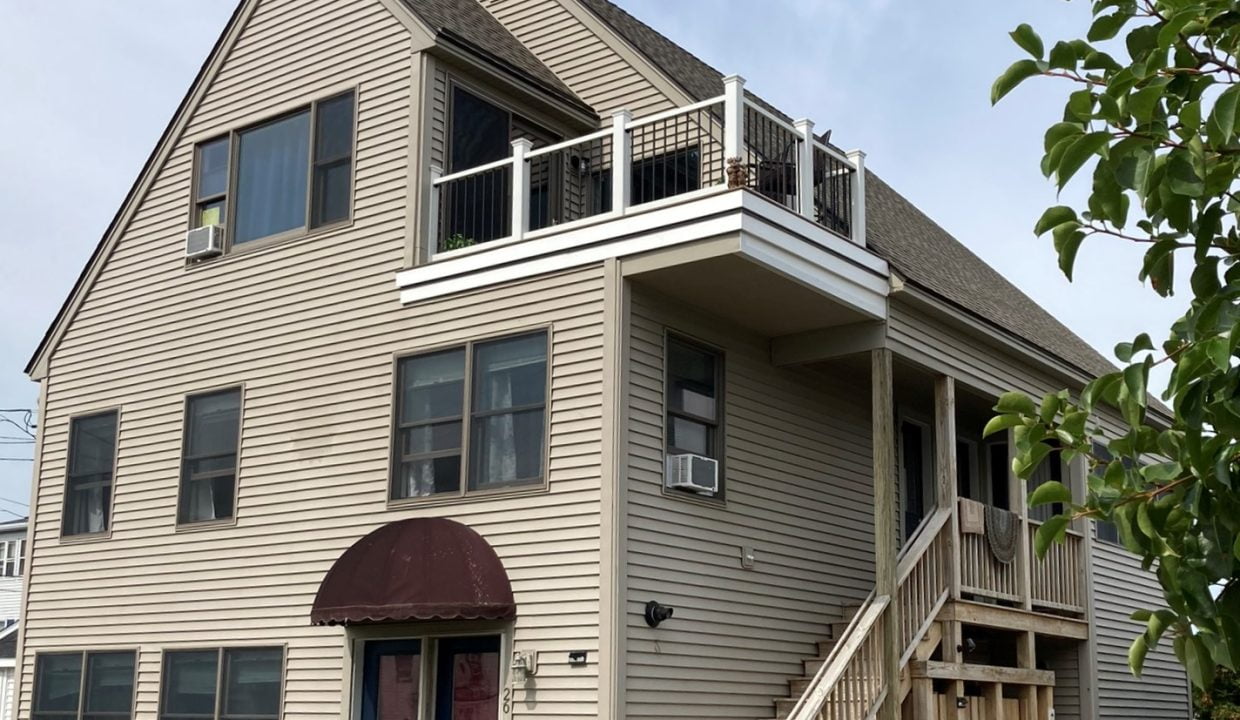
456 241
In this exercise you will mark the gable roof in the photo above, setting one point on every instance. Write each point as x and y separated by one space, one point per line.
466 23
919 249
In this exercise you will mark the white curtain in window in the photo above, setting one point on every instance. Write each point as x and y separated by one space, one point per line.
201 500
500 436
89 512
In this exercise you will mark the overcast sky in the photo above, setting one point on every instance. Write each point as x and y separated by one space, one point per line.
89 86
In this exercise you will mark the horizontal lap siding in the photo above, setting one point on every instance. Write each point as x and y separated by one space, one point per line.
596 73
311 329
1120 587
798 491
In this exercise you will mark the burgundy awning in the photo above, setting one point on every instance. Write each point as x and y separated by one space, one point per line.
417 569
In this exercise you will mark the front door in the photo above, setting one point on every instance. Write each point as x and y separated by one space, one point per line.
400 681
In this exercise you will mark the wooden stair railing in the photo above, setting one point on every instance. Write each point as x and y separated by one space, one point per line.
851 685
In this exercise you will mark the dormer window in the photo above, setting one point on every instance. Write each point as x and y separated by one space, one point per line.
280 178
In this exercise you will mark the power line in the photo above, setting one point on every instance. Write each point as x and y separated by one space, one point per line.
11 459
15 502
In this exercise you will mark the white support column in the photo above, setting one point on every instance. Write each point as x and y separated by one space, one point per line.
520 188
432 234
621 161
733 118
857 158
805 167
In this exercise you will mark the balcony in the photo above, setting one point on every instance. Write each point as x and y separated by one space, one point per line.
781 205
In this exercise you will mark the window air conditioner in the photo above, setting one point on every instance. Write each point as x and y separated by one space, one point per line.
206 241
692 472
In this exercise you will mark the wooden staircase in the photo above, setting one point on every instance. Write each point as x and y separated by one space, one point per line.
846 680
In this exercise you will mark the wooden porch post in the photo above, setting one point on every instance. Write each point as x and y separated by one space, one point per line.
1019 494
945 495
883 432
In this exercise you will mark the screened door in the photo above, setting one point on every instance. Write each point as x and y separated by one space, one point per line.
392 680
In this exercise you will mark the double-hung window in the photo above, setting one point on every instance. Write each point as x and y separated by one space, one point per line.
88 487
209 457
84 686
11 558
694 400
471 418
222 684
278 178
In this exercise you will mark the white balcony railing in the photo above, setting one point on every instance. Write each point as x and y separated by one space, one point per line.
724 142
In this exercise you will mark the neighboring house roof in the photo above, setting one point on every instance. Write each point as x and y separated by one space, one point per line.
13 525
469 24
925 254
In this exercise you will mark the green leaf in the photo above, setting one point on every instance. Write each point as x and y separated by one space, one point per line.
1222 124
1142 102
1078 153
1051 531
1020 71
1054 217
999 423
1198 662
1080 106
1182 175
1067 240
1063 57
1136 655
1051 491
1107 26
1028 40
1016 402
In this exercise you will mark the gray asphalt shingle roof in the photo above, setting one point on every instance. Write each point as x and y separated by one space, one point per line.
922 252
468 21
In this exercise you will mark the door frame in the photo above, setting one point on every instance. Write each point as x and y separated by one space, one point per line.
355 639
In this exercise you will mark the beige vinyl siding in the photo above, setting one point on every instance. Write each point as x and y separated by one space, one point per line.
1120 587
798 491
604 78
310 328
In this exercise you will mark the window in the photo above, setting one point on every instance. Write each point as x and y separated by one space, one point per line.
693 402
223 684
290 174
1051 469
209 456
11 558
106 694
462 675
499 442
88 487
916 450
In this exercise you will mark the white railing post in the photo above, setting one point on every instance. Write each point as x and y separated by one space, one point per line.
805 167
621 161
432 245
520 188
733 119
857 158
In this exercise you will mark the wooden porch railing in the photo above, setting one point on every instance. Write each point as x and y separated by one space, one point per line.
850 685
981 574
1056 579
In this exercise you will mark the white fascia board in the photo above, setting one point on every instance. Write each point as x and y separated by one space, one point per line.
801 251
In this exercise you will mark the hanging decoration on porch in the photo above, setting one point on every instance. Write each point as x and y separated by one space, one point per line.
1001 527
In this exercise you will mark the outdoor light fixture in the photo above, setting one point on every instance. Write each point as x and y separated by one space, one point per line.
657 613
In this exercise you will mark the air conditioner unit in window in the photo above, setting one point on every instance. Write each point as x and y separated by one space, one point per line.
691 472
204 242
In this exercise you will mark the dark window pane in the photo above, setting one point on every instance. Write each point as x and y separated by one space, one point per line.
691 436
480 131
109 684
426 477
271 179
94 444
189 683
213 168
999 469
693 376
467 680
1108 532
334 129
252 682
88 488
912 461
207 498
331 193
511 373
964 470
433 386
432 438
507 449
58 680
213 421
398 685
